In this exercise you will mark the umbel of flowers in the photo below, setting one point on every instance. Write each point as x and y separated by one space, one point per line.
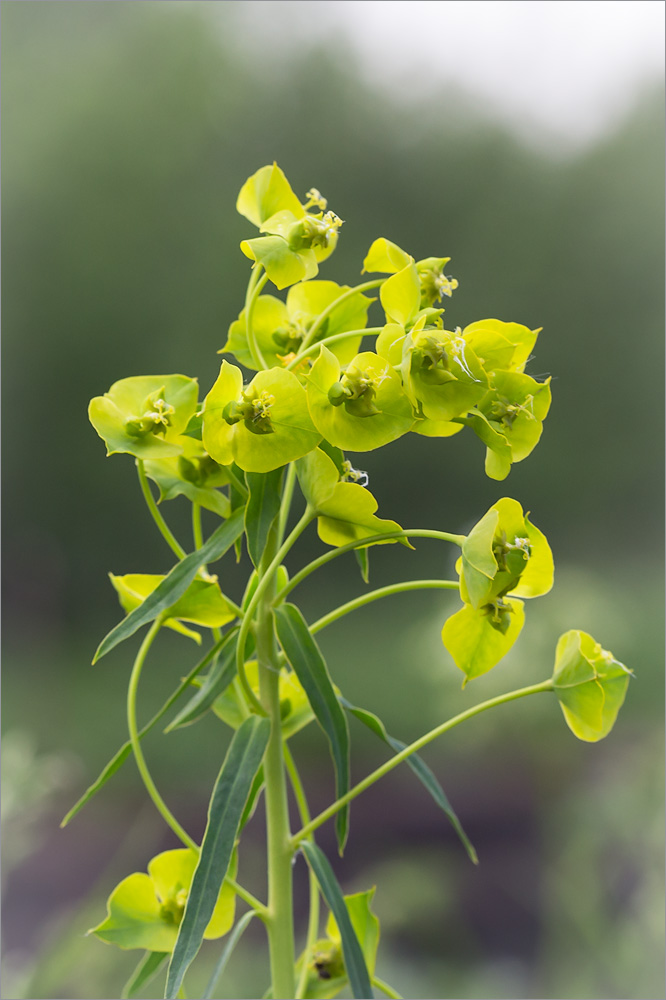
305 380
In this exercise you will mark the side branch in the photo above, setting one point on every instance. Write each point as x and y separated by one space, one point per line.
375 595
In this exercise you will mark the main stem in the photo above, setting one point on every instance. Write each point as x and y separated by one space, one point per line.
280 923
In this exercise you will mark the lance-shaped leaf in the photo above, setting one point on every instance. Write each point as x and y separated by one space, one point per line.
146 970
227 951
145 414
501 346
308 664
590 685
420 769
261 426
192 474
346 510
144 911
504 553
213 685
354 959
230 794
477 639
174 585
359 409
202 603
263 506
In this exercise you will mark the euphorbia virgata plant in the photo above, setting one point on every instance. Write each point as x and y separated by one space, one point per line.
305 381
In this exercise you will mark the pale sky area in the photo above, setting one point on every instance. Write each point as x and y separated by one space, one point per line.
560 71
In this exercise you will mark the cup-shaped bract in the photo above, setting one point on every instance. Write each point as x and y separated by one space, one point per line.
478 638
201 604
504 553
144 415
501 346
590 685
193 474
261 426
509 419
441 374
345 509
145 910
361 407
266 193
281 327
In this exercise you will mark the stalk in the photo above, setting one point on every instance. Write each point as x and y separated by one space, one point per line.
280 922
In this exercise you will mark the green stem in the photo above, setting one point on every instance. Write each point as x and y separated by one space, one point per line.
313 919
312 332
334 338
262 586
146 777
375 595
385 988
280 922
164 530
388 536
255 284
414 748
197 532
285 505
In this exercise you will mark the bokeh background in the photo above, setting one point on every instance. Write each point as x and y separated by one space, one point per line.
526 142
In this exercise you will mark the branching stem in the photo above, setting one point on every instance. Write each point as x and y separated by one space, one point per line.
314 329
375 595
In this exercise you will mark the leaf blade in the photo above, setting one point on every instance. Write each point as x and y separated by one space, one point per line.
308 664
174 584
218 680
420 769
227 803
263 506
355 966
148 967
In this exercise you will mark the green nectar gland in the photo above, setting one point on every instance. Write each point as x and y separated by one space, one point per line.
505 412
173 907
434 283
313 231
356 390
254 411
156 418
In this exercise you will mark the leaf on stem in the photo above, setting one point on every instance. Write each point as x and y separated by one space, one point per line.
229 946
218 680
227 803
309 665
149 966
420 769
174 584
263 506
355 963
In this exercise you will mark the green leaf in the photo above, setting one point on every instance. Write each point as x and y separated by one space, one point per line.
401 295
230 794
474 641
498 345
385 256
308 664
363 560
295 711
126 749
266 192
218 680
590 685
283 266
252 799
174 584
355 963
192 474
229 946
420 769
202 603
148 967
263 506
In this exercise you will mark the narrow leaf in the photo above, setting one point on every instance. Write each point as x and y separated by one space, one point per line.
231 943
126 749
355 966
363 560
420 769
226 807
308 664
174 584
148 967
253 798
216 683
263 506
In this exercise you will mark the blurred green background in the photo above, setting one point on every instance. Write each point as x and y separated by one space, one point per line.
128 129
